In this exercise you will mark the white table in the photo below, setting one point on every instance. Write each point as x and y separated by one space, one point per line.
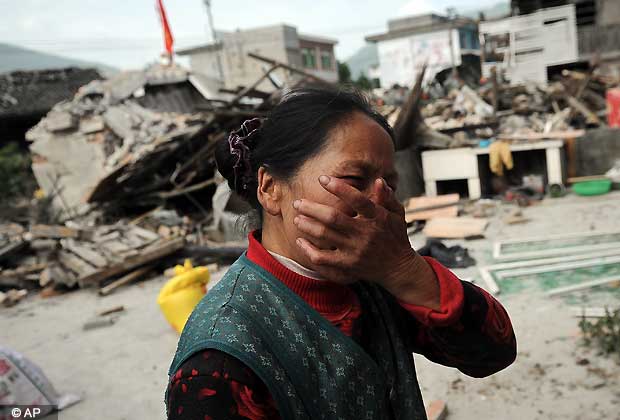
462 163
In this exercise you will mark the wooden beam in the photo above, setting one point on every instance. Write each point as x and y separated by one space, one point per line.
126 279
46 231
287 67
254 85
147 255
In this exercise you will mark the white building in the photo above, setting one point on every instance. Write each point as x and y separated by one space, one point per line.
410 42
525 46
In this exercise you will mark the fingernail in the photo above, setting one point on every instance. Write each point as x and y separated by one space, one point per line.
298 241
386 187
296 220
324 179
296 203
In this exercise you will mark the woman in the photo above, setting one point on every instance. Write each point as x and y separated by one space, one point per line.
321 315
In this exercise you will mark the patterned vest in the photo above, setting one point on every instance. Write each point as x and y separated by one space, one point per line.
311 368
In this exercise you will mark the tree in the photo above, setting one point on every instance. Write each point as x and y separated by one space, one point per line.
363 82
344 73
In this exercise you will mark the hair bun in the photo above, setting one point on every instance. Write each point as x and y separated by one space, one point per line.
233 157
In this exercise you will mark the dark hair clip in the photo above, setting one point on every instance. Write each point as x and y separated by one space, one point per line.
240 142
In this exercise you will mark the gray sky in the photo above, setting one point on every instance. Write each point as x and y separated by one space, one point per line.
127 33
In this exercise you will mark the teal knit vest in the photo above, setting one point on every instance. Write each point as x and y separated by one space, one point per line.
311 368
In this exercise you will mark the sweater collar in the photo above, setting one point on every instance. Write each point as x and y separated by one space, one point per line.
323 295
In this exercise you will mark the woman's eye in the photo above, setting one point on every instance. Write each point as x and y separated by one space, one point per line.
355 180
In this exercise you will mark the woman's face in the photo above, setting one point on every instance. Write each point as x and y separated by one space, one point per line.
358 151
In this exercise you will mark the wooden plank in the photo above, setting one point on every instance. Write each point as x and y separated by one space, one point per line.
455 227
146 234
119 308
11 229
419 203
47 231
85 253
115 247
576 104
126 279
75 263
576 179
560 135
16 277
289 68
54 274
149 254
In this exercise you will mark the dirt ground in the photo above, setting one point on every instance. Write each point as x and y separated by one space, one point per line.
120 370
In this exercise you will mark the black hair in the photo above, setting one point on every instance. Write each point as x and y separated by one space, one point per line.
296 130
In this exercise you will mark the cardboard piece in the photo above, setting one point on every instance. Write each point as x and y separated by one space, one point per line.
455 227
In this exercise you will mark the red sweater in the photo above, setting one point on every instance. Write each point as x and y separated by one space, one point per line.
214 385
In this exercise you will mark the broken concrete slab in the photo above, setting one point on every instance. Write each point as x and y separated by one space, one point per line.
92 125
60 121
67 167
120 121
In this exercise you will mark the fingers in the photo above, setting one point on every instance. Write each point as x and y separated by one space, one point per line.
327 215
315 255
349 195
386 197
318 230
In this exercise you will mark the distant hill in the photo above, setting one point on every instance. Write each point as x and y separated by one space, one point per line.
18 58
363 59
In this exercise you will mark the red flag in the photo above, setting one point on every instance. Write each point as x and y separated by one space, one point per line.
168 39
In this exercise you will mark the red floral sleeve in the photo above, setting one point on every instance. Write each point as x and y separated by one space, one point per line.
471 331
213 385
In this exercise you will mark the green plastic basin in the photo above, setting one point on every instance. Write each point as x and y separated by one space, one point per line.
597 187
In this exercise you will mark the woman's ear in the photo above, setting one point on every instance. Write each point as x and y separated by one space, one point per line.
269 192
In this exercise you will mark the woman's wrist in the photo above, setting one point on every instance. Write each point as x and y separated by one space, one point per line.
413 281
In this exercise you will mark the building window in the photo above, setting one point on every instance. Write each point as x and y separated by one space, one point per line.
326 60
308 60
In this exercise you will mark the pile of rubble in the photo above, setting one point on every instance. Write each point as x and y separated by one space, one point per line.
127 166
496 110
47 256
108 147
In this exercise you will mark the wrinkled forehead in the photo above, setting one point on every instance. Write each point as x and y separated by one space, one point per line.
361 143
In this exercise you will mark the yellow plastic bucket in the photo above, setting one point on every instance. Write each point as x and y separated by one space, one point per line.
182 293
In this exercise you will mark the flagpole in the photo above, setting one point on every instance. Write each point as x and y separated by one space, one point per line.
214 36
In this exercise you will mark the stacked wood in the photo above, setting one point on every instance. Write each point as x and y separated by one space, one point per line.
75 257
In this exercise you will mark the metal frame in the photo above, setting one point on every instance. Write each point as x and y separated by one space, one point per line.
499 255
559 267
486 272
593 312
585 285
